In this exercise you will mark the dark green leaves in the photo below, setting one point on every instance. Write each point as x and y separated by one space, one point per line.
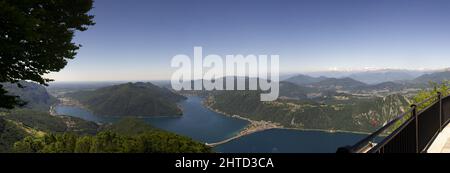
36 38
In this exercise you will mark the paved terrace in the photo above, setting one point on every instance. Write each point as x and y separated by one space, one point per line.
442 142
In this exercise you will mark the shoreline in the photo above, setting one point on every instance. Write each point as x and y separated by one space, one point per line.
67 101
327 131
278 126
252 127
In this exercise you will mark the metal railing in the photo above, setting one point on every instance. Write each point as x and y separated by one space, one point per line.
411 132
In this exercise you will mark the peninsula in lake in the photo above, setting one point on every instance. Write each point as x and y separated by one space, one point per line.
130 99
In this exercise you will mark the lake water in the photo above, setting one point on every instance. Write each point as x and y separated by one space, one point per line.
197 121
204 125
290 141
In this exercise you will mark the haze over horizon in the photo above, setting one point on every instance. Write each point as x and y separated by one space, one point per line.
135 40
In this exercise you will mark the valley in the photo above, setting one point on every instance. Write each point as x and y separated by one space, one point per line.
32 129
321 108
327 107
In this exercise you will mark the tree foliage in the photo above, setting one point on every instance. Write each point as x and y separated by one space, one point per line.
111 142
129 135
431 91
420 99
36 39
9 134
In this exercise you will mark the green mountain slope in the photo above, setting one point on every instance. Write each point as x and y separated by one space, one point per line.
293 91
130 99
30 130
20 123
45 122
128 126
338 112
304 79
39 133
390 86
437 77
116 138
9 134
338 84
35 95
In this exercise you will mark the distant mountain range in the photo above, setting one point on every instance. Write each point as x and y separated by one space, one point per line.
367 76
437 77
376 77
305 80
130 99
391 80
325 83
373 76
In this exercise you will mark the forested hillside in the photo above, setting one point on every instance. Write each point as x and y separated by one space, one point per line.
130 99
338 112
35 95
116 138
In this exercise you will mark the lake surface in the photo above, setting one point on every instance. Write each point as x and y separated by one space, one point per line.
197 121
290 141
204 125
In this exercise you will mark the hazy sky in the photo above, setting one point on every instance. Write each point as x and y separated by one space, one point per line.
136 39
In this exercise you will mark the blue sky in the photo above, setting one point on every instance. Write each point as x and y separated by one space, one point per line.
136 39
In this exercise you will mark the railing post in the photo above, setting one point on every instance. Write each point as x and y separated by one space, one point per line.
416 120
440 111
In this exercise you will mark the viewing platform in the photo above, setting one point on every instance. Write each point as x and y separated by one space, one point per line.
442 142
424 128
